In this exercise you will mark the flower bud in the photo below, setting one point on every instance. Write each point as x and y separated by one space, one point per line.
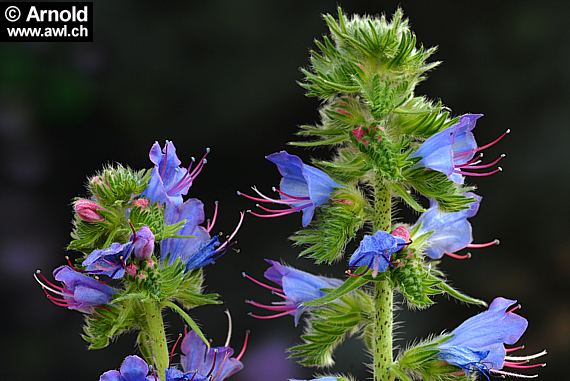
131 269
87 210
141 203
402 232
143 244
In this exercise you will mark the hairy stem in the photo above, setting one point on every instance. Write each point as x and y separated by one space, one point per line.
383 296
153 338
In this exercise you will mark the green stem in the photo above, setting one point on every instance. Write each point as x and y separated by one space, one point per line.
383 295
153 338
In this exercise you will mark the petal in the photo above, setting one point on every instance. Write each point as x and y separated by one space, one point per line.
90 297
300 286
319 183
134 368
308 214
291 168
73 279
194 351
111 375
205 255
436 152
276 272
449 239
192 210
228 368
462 357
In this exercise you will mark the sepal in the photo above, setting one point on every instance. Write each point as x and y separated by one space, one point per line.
435 185
349 285
348 166
115 185
336 225
422 118
107 323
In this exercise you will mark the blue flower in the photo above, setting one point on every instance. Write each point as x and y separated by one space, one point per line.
79 291
375 251
303 188
478 344
295 286
452 151
169 181
203 363
133 368
198 249
449 232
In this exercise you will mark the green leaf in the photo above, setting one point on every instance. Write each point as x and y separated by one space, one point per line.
348 166
191 323
328 326
407 197
107 323
444 287
336 224
351 284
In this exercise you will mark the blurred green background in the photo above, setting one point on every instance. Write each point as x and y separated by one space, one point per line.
222 74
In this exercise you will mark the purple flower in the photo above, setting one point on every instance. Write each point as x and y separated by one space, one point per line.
452 151
133 368
202 363
295 286
375 252
143 243
303 188
450 232
109 261
198 249
169 181
79 291
478 344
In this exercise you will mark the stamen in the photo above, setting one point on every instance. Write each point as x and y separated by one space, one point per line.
508 131
233 234
288 195
267 317
213 362
174 347
214 217
70 264
133 230
508 350
474 160
458 256
491 164
280 214
515 308
229 337
194 375
270 308
55 289
261 283
524 358
215 377
518 366
483 245
271 210
280 295
267 199
475 174
244 346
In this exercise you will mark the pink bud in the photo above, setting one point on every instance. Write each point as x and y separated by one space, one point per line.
141 203
402 232
131 269
87 210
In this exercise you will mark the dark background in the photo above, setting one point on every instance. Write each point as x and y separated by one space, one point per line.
222 74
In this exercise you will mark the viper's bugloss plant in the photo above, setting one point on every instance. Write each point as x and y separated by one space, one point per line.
389 145
138 249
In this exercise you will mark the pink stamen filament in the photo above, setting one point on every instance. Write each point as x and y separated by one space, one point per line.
283 213
491 164
483 245
223 245
174 346
459 256
215 377
509 350
517 307
518 366
267 199
270 308
474 160
267 317
261 283
214 217
476 174
244 346
271 210
280 295
70 264
213 363
52 287
486 145
290 196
